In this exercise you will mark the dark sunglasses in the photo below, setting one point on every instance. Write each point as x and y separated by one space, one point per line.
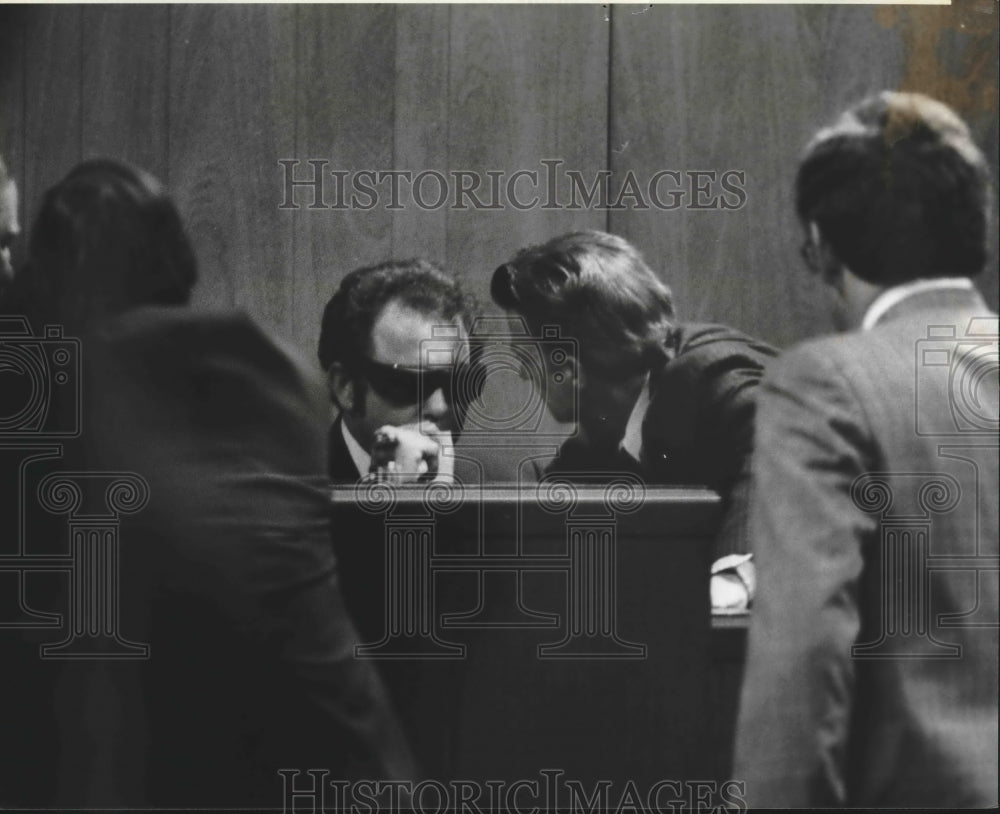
404 386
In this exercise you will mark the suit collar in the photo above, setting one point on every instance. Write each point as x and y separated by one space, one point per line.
342 466
921 295
362 460
631 442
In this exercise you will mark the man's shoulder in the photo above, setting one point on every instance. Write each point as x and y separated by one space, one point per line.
826 359
859 376
202 340
703 401
831 347
856 354
714 357
892 341
194 333
217 380
710 339
181 320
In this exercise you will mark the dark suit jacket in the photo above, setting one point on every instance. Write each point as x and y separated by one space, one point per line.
698 429
358 542
228 575
870 494
359 545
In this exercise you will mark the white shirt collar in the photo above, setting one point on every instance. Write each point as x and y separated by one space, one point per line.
893 296
632 440
362 460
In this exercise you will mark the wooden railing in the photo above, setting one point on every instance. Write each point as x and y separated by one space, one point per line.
522 629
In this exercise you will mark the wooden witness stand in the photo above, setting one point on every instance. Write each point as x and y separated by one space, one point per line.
528 629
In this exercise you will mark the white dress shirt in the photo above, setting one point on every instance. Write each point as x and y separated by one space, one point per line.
895 295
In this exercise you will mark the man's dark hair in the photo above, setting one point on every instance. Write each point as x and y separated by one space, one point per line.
108 238
899 190
598 289
350 315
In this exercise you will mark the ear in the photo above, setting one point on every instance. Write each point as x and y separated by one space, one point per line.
341 387
574 370
827 257
814 233
830 267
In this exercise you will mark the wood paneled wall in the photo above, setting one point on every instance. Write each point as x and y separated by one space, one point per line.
211 97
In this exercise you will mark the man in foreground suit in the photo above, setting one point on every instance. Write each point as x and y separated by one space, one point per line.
226 575
393 336
872 665
672 402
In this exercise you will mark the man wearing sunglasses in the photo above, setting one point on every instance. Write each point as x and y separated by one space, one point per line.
672 402
393 343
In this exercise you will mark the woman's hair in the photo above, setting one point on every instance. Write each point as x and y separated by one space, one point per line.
107 239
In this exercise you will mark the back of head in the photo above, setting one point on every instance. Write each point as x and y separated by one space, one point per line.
899 190
106 239
598 289
345 334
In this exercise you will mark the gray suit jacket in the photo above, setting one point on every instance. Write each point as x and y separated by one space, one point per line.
871 676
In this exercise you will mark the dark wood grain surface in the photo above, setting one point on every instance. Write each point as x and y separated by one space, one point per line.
232 91
421 125
124 86
507 709
211 98
53 42
527 84
345 98
737 88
